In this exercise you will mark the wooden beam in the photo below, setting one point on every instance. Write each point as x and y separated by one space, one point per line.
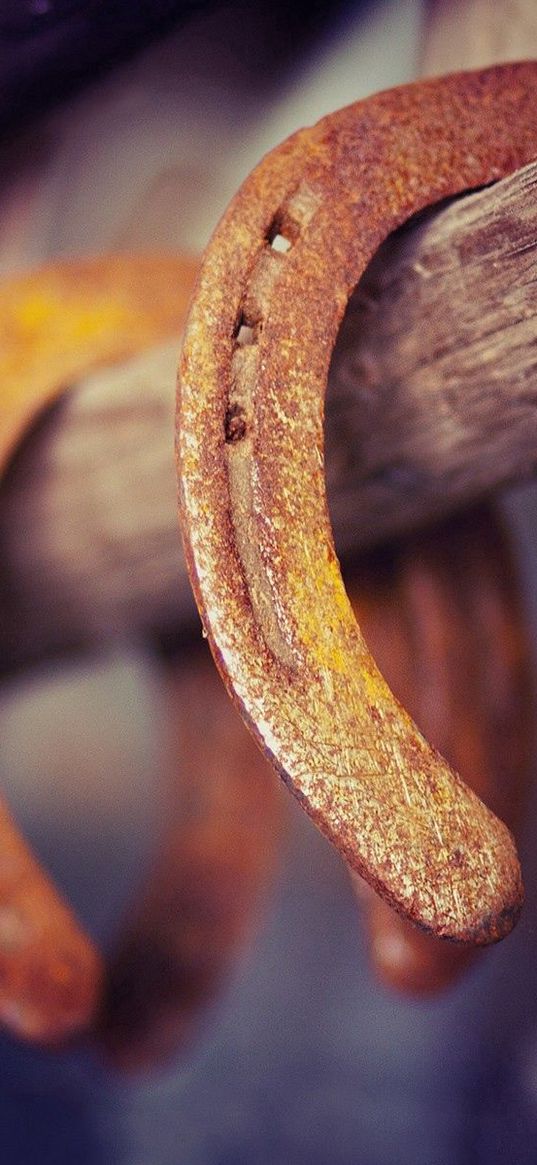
433 390
432 403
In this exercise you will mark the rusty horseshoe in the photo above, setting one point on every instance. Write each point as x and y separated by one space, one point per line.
273 288
55 324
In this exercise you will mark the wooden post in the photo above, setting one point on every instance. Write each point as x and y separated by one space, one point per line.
432 403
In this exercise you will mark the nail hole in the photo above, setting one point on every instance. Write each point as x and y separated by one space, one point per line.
278 242
234 424
245 332
245 335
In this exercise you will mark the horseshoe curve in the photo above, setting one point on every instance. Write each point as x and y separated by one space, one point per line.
272 291
57 324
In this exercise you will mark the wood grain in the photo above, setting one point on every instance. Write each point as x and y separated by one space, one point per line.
434 378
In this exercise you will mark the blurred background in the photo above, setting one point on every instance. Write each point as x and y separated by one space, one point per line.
128 129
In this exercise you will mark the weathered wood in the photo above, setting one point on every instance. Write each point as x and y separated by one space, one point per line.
434 378
89 530
432 403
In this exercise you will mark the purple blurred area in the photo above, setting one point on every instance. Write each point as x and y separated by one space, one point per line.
50 48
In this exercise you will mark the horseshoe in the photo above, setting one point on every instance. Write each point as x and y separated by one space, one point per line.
55 325
59 322
273 288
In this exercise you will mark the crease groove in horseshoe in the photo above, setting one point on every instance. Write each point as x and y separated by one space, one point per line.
253 504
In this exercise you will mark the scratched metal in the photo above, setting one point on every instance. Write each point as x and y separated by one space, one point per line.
274 286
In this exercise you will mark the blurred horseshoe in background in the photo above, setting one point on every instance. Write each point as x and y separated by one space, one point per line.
54 325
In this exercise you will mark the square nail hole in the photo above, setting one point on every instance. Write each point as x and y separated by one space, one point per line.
245 336
279 243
